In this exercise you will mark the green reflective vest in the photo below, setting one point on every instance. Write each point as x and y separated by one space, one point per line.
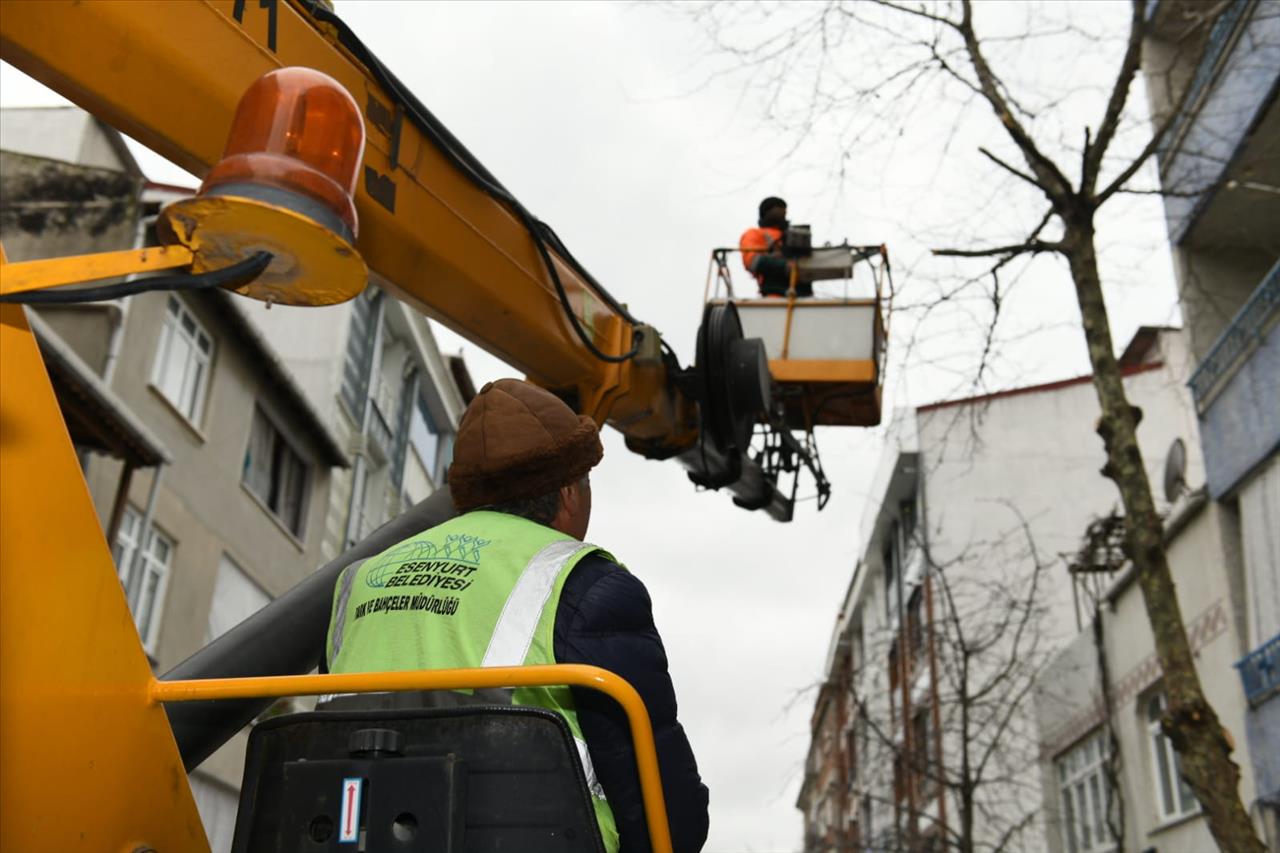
479 590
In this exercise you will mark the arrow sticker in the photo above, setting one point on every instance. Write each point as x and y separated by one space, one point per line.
349 826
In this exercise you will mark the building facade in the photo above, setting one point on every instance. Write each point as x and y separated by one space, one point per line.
1109 775
220 442
961 596
1221 164
373 370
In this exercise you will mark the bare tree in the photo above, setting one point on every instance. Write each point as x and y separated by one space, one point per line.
943 735
907 47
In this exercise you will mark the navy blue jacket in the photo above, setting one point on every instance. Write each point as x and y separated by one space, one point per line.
605 619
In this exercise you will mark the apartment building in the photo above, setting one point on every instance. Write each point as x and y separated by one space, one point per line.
1113 774
230 450
960 597
1225 239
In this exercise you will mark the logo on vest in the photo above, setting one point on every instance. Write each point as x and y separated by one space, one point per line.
459 548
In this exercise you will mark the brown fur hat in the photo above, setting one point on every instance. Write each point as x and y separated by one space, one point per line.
519 441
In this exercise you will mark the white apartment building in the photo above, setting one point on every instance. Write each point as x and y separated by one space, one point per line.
941 631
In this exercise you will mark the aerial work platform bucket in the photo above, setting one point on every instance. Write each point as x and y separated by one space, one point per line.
825 352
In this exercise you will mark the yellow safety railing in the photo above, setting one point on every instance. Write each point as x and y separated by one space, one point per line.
574 675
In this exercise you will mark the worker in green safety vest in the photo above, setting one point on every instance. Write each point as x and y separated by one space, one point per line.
509 582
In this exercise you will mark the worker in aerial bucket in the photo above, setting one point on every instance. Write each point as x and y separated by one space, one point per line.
509 582
762 253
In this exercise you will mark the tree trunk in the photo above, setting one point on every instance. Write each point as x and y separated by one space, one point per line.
1190 722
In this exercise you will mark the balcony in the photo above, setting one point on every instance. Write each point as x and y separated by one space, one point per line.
1260 672
1224 136
1235 389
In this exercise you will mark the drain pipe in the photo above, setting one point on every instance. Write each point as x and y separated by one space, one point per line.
118 311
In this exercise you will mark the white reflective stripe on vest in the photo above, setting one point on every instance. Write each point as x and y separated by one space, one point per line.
340 613
589 770
522 611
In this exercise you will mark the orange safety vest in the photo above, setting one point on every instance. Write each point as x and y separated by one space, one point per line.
756 242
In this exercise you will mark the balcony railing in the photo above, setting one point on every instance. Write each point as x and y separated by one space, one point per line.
1260 671
1244 330
1220 37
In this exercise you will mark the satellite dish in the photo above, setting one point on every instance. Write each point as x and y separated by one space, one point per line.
1175 470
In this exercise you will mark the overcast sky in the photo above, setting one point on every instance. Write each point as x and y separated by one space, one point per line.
605 121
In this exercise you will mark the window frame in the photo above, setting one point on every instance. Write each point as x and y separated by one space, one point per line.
1080 773
124 550
1166 765
927 761
280 449
172 326
228 563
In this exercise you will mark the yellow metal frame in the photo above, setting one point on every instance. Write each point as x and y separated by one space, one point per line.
56 272
592 677
823 370
170 74
72 663
87 757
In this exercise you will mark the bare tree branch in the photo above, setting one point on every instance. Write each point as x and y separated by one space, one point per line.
1094 153
1055 184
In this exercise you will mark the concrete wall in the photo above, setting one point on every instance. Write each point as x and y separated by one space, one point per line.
1212 285
68 134
202 503
313 342
51 209
1069 699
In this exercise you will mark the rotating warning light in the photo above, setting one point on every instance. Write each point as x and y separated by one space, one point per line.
285 185
295 130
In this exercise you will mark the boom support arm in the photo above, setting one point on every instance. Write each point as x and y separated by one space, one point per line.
170 75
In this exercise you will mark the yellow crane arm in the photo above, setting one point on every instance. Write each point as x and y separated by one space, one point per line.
170 75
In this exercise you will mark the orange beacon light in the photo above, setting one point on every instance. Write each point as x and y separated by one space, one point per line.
285 184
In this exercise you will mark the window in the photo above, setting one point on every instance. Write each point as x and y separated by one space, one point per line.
856 640
1173 796
144 579
864 825
864 738
275 473
235 598
894 674
425 437
1083 786
925 747
891 573
182 362
915 625
907 522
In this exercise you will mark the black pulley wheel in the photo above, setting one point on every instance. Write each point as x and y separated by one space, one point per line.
735 379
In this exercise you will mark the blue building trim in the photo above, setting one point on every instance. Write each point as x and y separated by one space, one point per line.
1260 672
1237 391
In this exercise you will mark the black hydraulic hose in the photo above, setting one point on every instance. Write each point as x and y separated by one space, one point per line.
465 161
235 275
287 637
